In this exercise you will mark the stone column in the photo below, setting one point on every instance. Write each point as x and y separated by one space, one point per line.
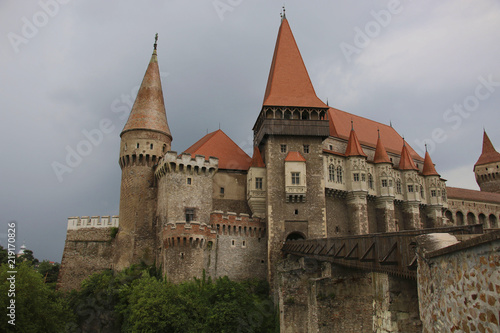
358 213
411 216
434 216
385 214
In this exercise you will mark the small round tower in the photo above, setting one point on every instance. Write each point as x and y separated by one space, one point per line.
144 139
487 167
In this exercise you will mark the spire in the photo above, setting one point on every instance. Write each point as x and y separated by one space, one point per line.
148 111
406 162
489 154
380 152
429 169
353 146
257 161
289 83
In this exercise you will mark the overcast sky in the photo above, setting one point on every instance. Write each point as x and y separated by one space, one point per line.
432 68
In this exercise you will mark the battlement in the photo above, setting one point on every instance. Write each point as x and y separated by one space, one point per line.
237 225
184 163
193 234
84 222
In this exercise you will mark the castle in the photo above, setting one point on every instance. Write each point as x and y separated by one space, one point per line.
316 172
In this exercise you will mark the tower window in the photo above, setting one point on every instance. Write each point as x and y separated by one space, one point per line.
189 214
331 173
306 149
283 148
410 188
151 146
355 177
137 144
331 147
295 178
398 186
363 177
244 244
258 183
384 182
221 191
233 243
296 212
188 181
390 182
339 174
125 147
370 181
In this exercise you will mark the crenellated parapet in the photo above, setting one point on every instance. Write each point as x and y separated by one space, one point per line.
192 234
85 222
184 163
237 224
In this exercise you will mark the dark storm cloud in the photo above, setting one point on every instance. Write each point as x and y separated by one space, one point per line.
83 65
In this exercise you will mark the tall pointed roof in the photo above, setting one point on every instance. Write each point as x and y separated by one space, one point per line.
380 153
257 161
148 111
353 146
289 83
406 162
219 145
429 169
489 154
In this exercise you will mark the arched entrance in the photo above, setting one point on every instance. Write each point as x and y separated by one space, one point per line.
295 236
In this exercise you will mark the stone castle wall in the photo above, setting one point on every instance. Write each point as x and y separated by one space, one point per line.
89 248
459 286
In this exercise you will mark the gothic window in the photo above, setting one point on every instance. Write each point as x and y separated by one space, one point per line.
355 177
363 177
398 186
384 182
370 181
283 148
422 191
433 193
258 183
339 174
295 178
390 182
306 149
331 173
410 188
189 214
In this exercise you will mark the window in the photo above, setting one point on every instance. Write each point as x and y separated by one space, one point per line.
331 147
233 243
339 174
355 177
125 147
188 181
295 178
244 244
390 182
433 193
331 173
363 177
258 183
151 146
370 181
283 148
422 191
221 191
296 212
384 182
306 149
398 186
137 145
189 214
410 188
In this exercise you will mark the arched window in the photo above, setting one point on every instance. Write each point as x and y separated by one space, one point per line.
493 221
339 174
460 218
331 173
370 181
471 218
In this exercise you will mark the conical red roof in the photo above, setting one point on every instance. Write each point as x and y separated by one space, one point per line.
257 161
353 146
148 111
489 154
380 153
289 83
429 169
406 162
218 144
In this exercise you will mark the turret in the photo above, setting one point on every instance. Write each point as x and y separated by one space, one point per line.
435 193
487 167
144 139
411 190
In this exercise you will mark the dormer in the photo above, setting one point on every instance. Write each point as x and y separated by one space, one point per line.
295 177
356 164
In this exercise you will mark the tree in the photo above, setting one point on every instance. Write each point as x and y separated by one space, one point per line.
49 272
3 255
28 257
37 307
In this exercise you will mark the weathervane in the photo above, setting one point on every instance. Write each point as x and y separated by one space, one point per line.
282 14
156 40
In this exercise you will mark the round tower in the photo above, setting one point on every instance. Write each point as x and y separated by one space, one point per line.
144 139
487 167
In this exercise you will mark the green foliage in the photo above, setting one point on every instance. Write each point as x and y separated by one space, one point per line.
49 272
38 308
3 255
27 257
113 232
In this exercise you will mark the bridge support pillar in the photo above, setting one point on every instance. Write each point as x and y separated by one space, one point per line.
434 216
358 213
411 216
385 214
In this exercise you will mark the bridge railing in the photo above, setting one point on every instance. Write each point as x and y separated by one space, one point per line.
392 253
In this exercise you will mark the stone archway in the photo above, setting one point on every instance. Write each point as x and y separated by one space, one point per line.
295 236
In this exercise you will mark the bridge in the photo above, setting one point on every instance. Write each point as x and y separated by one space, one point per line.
393 252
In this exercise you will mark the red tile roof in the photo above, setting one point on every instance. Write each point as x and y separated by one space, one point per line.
489 154
148 111
472 195
429 169
218 144
406 162
380 153
289 83
257 161
294 156
366 130
353 146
